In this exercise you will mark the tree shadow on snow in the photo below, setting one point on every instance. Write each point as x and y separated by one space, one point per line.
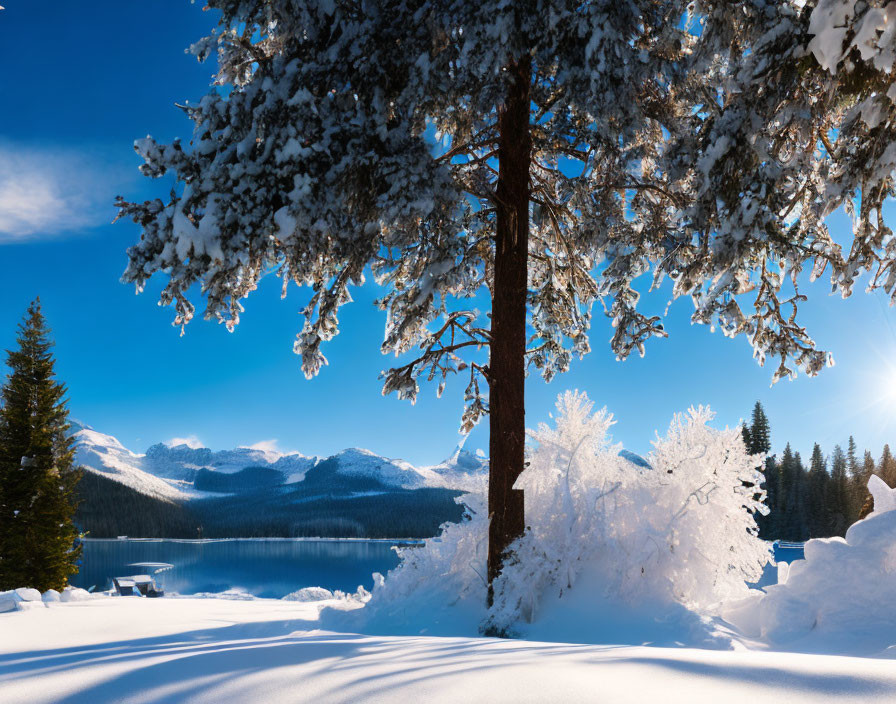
245 662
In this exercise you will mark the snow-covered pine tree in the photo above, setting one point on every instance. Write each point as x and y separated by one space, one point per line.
37 476
550 152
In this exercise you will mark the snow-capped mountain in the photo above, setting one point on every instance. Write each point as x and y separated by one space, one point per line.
104 455
182 472
184 491
181 462
356 462
462 470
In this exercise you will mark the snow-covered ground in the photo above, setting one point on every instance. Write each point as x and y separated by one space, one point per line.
636 574
215 650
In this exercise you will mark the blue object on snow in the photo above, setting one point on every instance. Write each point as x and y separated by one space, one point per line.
788 552
635 459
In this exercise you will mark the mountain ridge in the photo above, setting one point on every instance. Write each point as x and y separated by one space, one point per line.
170 472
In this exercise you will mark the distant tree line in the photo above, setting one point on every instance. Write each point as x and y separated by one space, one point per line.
108 509
818 500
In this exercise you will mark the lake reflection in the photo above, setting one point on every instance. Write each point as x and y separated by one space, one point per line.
265 568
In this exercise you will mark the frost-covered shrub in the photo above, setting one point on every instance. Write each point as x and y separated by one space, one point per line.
440 587
680 532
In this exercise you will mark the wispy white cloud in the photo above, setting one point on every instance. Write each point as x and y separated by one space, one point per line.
272 445
189 441
265 445
46 192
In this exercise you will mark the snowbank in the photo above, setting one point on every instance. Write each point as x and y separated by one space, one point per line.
841 598
76 594
309 594
20 600
25 598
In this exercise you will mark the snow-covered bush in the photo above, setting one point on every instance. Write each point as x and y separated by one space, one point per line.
842 597
358 597
679 533
439 588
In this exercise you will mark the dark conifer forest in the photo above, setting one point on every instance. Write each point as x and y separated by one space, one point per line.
818 498
108 509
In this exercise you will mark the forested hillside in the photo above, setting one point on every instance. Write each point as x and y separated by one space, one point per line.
108 509
416 513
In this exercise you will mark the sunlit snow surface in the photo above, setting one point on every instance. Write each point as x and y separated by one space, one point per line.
835 605
217 650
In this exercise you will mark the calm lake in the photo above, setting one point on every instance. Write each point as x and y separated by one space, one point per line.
264 568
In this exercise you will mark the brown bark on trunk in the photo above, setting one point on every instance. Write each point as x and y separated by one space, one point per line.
507 420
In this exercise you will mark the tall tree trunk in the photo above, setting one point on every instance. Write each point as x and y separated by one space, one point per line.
508 346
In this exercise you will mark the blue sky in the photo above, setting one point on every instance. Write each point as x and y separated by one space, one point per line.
84 80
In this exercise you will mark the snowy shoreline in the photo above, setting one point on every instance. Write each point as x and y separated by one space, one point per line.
393 541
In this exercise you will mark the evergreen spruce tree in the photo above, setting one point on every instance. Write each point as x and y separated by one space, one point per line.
770 524
886 470
852 460
757 439
819 517
760 432
861 501
37 476
854 469
794 491
786 478
838 493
